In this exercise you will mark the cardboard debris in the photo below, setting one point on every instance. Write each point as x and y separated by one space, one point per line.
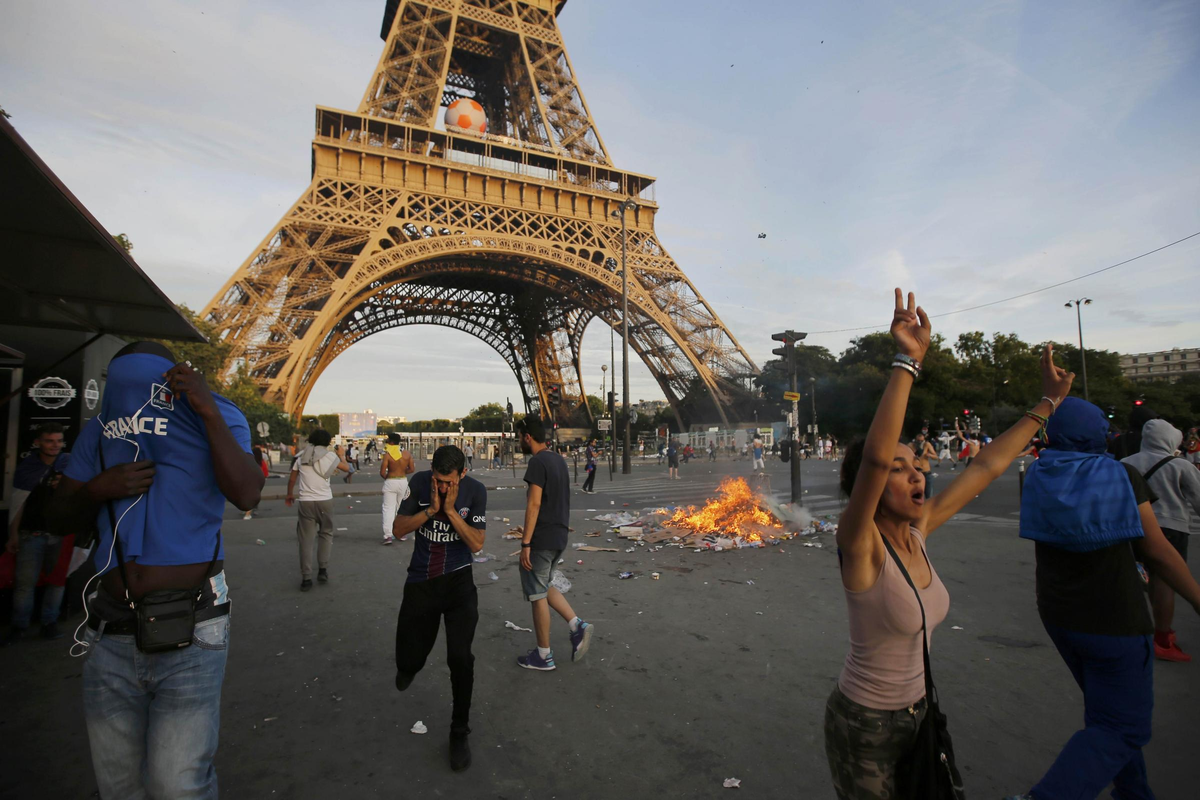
587 548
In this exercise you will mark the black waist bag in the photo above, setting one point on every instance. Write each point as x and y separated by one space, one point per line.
165 619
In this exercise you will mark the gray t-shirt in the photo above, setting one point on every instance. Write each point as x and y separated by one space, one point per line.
548 470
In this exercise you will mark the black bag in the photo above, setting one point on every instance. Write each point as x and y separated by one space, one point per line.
166 618
928 772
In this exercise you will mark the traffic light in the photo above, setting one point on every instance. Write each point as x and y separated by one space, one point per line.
966 412
554 395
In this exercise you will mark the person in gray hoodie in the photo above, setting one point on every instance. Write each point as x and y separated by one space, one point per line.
1177 485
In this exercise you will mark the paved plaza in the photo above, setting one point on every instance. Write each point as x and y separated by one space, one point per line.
691 679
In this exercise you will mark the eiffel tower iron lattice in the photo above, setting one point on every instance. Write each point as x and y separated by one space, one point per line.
510 236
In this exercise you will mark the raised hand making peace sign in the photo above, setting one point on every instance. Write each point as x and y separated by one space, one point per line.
910 327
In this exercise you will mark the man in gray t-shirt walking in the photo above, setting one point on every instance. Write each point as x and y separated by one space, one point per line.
547 515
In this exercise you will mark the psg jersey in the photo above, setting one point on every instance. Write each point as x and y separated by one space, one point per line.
438 550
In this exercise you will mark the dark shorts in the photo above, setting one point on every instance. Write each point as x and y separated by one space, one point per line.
535 583
1178 540
673 462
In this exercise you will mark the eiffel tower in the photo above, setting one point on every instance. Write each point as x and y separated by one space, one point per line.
513 236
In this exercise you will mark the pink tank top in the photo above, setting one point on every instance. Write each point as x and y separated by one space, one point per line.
885 669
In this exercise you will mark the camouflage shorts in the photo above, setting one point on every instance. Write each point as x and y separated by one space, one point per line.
864 745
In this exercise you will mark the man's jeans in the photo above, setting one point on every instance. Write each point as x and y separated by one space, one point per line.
153 720
38 554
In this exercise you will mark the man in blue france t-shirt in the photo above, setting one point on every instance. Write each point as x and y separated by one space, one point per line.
448 511
162 457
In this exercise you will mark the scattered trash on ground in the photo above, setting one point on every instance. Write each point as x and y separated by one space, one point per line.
493 576
653 576
625 575
343 529
259 542
732 783
483 558
956 627
516 627
419 728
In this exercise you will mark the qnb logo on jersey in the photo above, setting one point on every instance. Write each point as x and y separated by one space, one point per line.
121 427
479 519
161 397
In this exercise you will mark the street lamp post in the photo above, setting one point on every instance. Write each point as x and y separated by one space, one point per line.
608 402
1085 301
626 454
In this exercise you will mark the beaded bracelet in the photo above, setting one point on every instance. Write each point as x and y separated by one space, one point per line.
911 370
1036 417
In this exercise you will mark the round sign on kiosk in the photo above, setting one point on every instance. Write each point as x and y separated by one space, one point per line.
52 393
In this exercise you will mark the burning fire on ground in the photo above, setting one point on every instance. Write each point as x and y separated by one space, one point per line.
736 511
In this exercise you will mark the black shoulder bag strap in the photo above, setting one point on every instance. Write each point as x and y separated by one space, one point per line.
930 689
1159 465
932 775
112 521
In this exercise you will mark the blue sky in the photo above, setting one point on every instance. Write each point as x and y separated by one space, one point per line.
969 151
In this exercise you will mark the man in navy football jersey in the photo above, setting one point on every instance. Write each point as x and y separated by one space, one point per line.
448 511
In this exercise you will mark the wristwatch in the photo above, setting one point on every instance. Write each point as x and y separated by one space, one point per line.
430 513
526 544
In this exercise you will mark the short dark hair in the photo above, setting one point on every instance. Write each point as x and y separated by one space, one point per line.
448 460
394 438
320 438
534 427
47 427
153 348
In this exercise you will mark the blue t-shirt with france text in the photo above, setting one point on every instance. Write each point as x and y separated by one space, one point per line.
177 521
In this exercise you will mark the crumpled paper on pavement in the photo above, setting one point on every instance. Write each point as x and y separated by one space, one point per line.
732 783
419 728
516 627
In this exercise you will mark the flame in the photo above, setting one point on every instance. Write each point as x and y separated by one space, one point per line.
730 512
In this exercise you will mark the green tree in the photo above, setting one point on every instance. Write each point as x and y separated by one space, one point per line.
245 394
207 358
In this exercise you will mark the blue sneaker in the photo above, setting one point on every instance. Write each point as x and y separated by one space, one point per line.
532 660
580 639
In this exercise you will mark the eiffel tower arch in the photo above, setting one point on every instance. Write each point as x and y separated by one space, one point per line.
513 236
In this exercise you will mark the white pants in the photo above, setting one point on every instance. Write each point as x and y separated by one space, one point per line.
394 490
758 464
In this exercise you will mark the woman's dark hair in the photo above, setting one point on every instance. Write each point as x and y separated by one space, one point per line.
850 464
448 460
320 438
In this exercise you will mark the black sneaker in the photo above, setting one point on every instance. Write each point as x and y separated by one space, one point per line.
306 585
403 680
322 576
460 750
51 631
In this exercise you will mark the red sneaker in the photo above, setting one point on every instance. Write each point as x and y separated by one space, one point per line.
1167 649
